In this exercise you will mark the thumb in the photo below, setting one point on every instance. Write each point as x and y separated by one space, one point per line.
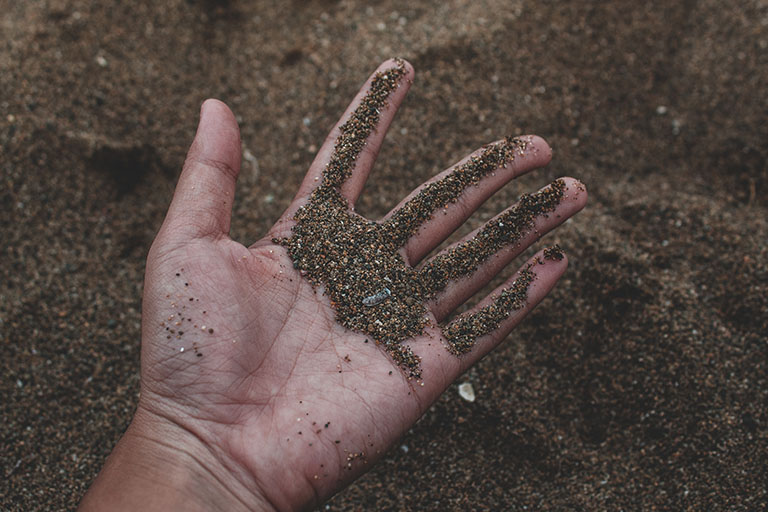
202 202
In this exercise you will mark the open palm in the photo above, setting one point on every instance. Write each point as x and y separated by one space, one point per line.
245 360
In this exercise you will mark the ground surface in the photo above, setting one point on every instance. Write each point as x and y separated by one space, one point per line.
642 381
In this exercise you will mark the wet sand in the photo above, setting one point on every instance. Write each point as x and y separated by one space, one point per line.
641 382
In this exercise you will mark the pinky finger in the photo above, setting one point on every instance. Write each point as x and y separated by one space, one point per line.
478 331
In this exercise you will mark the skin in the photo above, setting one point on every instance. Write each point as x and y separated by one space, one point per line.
284 407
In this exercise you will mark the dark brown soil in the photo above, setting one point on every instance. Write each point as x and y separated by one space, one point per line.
642 382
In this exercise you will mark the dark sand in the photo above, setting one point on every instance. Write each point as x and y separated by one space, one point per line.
641 382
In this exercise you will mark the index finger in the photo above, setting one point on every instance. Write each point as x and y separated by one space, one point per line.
355 140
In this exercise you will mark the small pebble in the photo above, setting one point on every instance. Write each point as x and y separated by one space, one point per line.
467 392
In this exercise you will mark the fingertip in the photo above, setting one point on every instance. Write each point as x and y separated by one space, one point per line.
548 265
210 102
213 103
214 109
555 257
396 62
410 71
541 149
551 261
575 193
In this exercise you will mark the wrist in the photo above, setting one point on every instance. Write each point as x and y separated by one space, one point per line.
157 465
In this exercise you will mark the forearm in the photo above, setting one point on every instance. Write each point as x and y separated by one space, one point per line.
147 474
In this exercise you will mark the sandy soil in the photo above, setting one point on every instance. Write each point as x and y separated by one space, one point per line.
641 382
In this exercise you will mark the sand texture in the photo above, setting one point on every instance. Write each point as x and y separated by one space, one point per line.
640 383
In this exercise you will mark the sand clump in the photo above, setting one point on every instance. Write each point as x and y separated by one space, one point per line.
358 262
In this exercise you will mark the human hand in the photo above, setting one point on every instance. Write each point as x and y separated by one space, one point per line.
273 375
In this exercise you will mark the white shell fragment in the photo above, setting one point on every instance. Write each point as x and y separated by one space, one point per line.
377 298
467 392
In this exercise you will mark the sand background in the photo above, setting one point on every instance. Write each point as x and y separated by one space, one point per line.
641 382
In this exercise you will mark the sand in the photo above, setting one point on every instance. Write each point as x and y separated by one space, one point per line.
641 382
357 263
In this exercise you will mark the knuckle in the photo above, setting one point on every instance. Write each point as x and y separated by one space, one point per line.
219 165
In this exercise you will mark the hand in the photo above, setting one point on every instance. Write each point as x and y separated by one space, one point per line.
253 395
